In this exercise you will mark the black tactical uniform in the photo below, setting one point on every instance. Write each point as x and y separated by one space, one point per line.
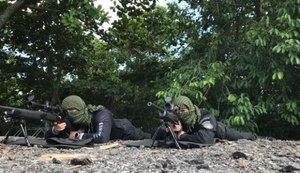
208 129
104 128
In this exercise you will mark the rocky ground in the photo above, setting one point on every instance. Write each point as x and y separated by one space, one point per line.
262 155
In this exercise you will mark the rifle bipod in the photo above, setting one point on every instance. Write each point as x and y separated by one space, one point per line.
22 124
164 126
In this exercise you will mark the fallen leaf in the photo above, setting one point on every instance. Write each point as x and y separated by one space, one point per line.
62 157
141 157
109 146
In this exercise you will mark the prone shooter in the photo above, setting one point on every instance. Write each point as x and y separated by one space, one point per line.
198 125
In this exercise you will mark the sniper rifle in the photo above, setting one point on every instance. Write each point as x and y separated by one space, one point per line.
167 119
45 113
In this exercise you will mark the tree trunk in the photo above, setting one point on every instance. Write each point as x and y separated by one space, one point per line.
10 11
257 11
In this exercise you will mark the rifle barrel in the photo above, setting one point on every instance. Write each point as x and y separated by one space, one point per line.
154 105
169 116
29 114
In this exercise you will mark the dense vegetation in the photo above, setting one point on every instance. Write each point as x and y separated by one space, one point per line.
239 59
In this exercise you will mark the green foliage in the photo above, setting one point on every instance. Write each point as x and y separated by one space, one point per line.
47 44
194 80
258 48
242 113
280 30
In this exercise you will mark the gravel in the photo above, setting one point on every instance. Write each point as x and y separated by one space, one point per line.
262 155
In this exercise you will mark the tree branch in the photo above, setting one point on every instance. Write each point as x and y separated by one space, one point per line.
42 8
257 11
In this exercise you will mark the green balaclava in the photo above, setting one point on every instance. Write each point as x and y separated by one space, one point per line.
188 119
84 114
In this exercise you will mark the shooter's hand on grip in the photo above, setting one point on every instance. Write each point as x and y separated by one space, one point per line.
59 126
177 128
